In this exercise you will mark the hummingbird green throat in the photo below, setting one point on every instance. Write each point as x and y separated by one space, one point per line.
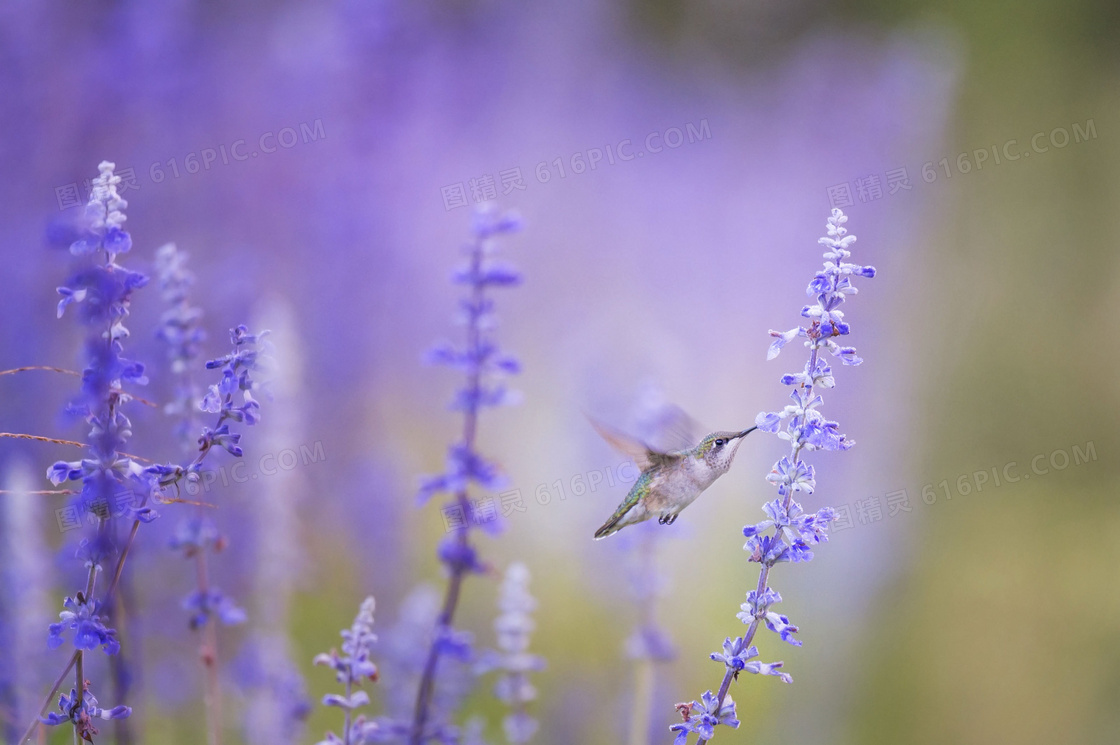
669 481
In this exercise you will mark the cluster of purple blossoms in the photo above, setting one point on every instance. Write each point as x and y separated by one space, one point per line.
199 534
81 711
702 716
81 616
789 533
352 668
180 329
237 368
112 484
101 290
484 364
202 605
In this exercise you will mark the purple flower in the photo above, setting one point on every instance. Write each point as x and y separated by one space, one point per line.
112 484
104 217
766 549
352 668
203 605
459 556
464 466
179 326
196 534
789 533
757 608
223 438
794 530
237 370
480 360
735 654
791 476
82 716
793 523
768 668
81 616
484 365
180 329
354 665
701 717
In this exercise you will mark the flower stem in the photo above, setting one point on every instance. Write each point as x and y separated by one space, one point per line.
346 716
208 654
446 615
50 697
80 681
643 702
458 571
729 674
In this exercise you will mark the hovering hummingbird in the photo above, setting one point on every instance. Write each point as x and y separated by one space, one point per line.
669 481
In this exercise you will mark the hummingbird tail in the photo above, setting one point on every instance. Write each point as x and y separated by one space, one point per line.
610 527
615 523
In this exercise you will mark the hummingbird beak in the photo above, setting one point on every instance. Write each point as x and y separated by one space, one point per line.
745 432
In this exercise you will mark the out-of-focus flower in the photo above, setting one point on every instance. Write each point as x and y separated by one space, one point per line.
514 625
484 365
352 668
206 604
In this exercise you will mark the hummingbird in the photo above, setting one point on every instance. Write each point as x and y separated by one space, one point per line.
669 481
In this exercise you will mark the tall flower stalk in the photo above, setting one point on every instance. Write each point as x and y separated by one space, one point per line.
180 329
482 362
111 483
789 533
114 484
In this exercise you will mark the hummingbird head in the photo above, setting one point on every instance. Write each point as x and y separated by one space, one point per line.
718 449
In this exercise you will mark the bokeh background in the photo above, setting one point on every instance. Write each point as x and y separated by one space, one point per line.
981 614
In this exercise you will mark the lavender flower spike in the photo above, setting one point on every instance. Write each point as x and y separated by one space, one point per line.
484 365
789 533
352 668
514 626
112 483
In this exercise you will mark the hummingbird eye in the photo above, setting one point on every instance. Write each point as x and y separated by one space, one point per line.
720 442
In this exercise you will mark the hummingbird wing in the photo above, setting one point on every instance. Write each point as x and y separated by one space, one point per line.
643 455
672 429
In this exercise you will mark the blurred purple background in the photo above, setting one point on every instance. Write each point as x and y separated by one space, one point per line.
667 269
